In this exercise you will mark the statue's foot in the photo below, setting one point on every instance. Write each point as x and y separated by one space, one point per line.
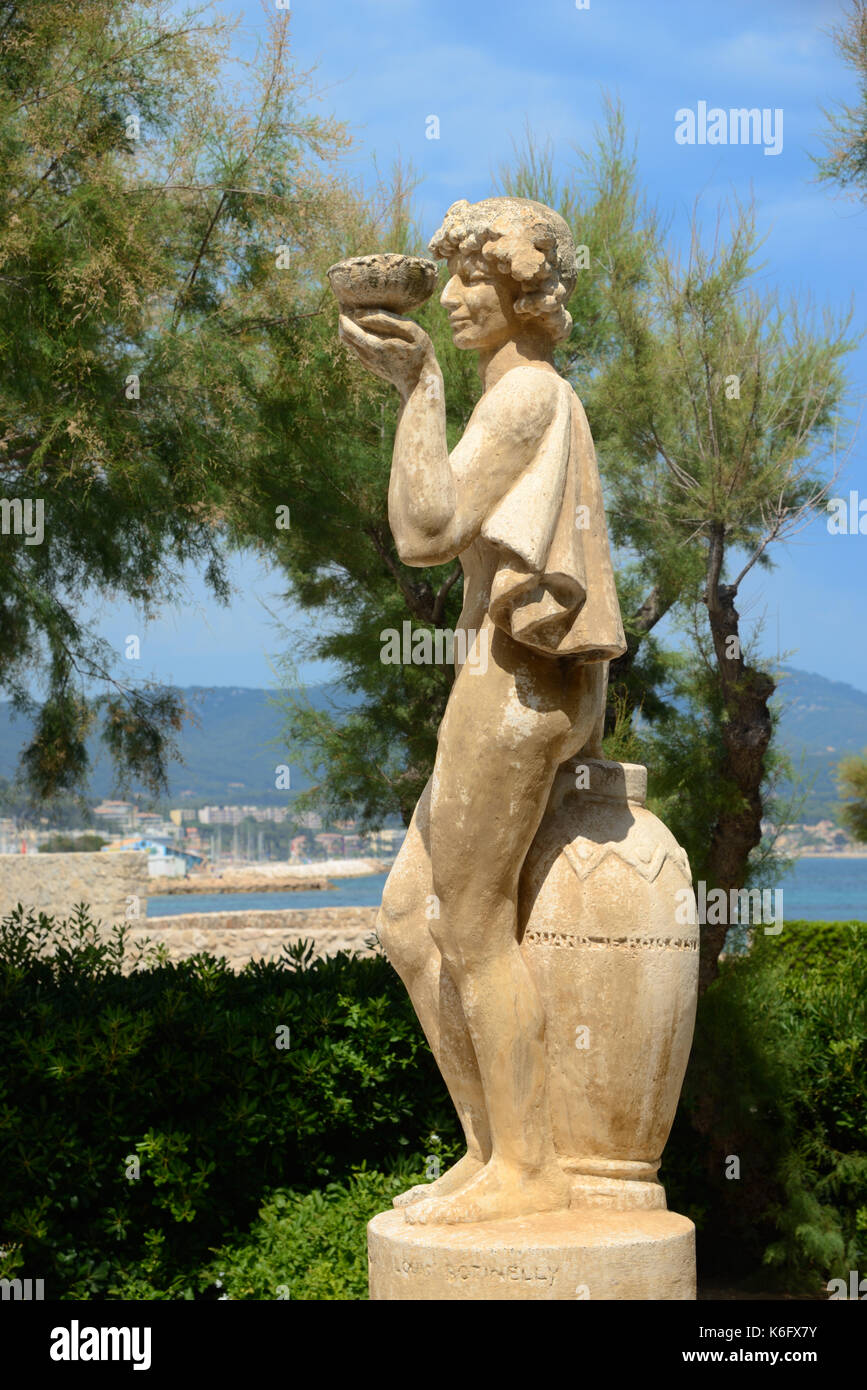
498 1192
460 1173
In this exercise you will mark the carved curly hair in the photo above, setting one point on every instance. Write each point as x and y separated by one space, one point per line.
524 240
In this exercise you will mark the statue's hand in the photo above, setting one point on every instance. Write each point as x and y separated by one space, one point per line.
391 347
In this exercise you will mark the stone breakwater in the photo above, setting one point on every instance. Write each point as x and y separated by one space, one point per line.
199 884
278 876
260 935
115 886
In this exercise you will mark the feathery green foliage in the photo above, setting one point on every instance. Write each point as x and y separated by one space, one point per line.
142 210
852 780
845 162
714 408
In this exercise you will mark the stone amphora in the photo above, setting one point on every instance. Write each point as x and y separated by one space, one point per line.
607 924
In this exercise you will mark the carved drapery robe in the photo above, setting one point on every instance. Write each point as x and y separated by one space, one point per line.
554 586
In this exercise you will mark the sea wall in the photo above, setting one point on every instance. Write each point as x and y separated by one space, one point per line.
115 886
260 934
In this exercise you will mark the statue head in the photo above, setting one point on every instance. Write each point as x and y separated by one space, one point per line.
513 269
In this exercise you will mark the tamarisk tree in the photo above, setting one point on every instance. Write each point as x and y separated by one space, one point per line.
153 229
715 409
852 783
726 404
845 160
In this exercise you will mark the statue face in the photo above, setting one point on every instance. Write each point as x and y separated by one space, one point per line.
479 304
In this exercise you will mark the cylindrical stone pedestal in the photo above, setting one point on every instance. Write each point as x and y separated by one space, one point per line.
565 1256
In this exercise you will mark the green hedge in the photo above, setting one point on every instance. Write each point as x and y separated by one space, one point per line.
811 948
259 1165
308 1245
778 1080
178 1065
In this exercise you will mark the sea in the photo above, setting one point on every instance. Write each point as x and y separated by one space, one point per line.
814 890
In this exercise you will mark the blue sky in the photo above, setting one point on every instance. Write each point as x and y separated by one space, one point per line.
485 70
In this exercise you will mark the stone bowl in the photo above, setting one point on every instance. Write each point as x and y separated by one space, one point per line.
385 281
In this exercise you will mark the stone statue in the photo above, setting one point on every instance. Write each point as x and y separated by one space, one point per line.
531 910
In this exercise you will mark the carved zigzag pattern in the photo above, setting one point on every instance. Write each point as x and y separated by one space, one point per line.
645 856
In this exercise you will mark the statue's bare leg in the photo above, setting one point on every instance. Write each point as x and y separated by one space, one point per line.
408 909
504 734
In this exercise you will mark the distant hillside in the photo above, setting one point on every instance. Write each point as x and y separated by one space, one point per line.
824 716
230 747
230 754
821 722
